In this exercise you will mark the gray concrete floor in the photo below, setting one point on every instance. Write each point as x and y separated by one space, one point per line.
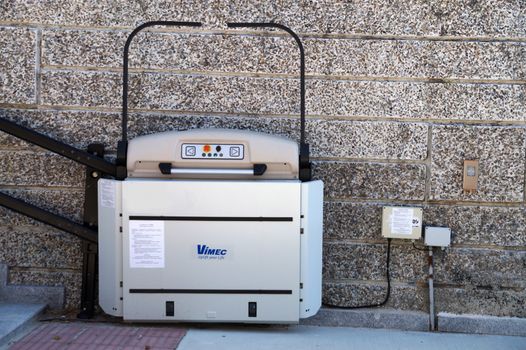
310 337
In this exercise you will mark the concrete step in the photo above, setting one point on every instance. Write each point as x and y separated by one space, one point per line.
53 296
16 319
370 318
481 324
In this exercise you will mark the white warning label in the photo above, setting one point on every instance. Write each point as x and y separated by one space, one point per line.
402 221
107 194
146 244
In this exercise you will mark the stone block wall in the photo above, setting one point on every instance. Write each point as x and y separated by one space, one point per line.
399 93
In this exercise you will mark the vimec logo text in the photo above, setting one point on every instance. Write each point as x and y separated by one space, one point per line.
205 251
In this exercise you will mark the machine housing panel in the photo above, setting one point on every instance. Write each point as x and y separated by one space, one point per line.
261 262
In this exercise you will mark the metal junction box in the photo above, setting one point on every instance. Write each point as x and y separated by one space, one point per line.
437 236
402 222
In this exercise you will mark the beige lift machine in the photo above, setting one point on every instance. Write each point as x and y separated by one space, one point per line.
211 225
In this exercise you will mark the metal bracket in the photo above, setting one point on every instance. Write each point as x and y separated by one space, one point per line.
57 147
49 218
90 250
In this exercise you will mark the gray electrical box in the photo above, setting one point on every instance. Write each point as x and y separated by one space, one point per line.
437 236
402 222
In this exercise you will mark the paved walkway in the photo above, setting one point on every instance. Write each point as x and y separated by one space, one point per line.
333 338
83 336
92 335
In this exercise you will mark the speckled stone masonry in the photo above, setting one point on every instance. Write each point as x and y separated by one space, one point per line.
349 221
483 301
348 180
405 297
501 153
346 262
482 268
470 225
75 128
413 17
247 95
399 93
66 202
327 138
39 169
343 180
261 54
474 225
27 246
17 65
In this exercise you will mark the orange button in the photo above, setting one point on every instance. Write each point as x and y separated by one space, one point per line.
206 148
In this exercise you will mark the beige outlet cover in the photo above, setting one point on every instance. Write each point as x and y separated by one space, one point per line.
402 222
471 175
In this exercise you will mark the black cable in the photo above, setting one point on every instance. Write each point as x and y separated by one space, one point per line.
415 247
388 292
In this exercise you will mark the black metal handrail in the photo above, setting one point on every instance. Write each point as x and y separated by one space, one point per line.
304 147
302 63
125 65
304 159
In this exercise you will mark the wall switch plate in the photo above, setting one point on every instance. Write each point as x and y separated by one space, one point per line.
402 222
437 236
471 175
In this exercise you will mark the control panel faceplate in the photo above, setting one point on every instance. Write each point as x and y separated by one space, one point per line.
212 151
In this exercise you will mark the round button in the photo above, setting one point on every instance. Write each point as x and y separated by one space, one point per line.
218 148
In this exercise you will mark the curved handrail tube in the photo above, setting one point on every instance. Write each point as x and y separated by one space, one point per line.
302 64
125 65
305 174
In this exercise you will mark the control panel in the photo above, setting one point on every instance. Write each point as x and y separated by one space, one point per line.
212 151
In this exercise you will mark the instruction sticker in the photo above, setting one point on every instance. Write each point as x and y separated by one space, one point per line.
146 244
107 194
402 221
